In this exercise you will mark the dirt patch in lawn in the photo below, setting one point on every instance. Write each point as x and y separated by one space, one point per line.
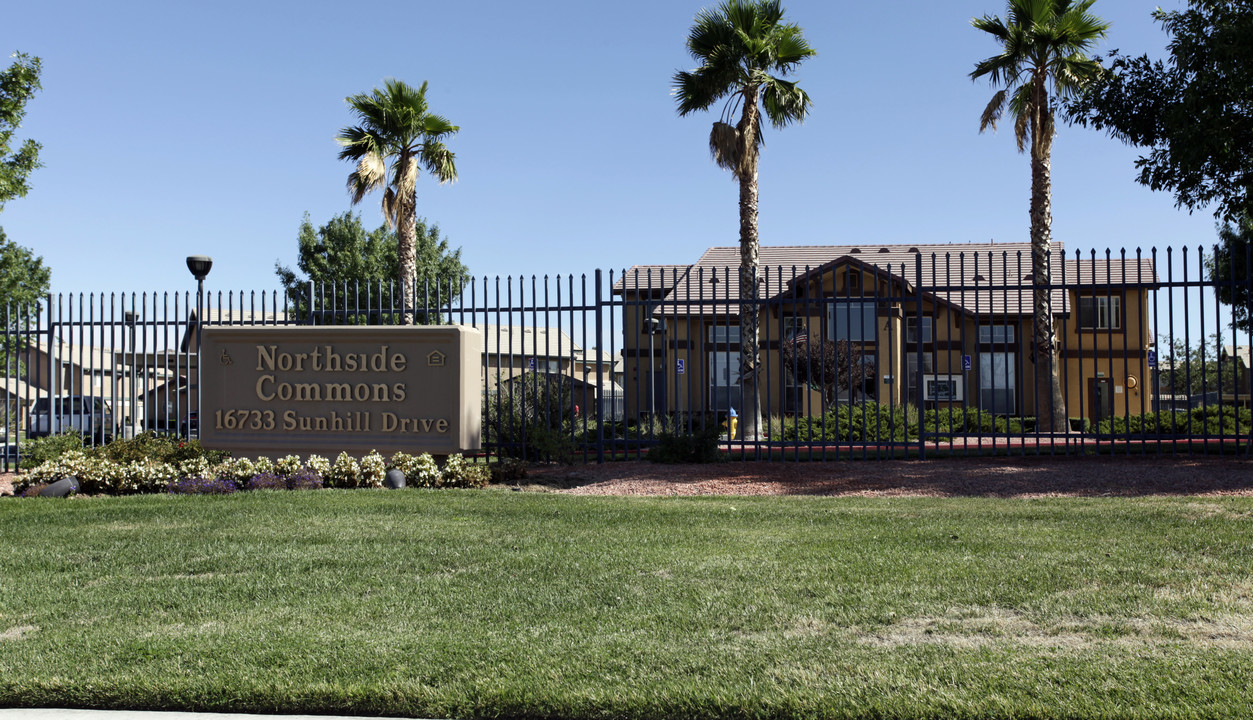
953 477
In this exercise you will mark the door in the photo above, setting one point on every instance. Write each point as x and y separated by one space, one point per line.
1100 399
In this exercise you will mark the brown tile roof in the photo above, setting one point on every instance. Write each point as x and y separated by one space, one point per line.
977 278
655 278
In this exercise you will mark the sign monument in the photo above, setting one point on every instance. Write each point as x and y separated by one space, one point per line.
277 390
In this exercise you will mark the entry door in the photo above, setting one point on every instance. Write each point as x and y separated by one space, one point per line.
1100 399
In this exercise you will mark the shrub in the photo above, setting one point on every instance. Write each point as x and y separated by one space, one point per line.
531 418
345 473
679 445
38 451
162 448
304 479
508 470
1204 420
420 471
266 481
373 470
458 473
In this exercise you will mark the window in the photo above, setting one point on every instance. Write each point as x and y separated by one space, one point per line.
997 382
795 327
852 283
1100 313
724 380
911 329
729 334
996 334
853 321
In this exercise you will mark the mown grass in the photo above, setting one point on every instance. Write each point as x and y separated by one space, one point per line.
499 604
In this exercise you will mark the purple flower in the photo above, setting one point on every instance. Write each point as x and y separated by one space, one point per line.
202 486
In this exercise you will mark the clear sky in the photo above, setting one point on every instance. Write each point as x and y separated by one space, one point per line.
172 128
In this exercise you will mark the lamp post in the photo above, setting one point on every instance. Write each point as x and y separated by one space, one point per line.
652 327
199 265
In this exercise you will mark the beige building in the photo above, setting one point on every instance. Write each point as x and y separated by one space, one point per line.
941 326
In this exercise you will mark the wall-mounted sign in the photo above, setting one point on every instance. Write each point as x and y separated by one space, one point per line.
942 388
965 362
272 390
679 367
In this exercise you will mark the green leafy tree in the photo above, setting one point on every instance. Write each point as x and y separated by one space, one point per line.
397 137
1202 368
24 281
18 84
358 269
1042 61
1228 267
739 44
1193 113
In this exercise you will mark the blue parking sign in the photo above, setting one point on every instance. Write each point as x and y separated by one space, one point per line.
965 362
679 367
1152 358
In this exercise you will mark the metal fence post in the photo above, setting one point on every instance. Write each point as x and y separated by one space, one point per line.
922 417
600 373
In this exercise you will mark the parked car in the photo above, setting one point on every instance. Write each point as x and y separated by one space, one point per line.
89 416
190 425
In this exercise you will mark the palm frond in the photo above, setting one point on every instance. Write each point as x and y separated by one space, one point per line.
1021 105
390 207
992 113
726 147
439 161
785 103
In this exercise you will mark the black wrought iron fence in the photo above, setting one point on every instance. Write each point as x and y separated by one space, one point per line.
862 352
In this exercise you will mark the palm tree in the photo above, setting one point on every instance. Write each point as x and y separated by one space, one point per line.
396 128
738 45
1044 59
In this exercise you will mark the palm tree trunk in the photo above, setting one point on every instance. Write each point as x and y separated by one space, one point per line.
406 231
1050 404
750 413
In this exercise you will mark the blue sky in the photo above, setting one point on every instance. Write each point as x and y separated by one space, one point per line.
171 129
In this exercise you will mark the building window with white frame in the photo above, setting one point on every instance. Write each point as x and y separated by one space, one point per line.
724 380
1100 313
911 329
724 334
852 321
996 334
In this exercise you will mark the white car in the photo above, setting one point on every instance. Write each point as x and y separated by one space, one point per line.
91 417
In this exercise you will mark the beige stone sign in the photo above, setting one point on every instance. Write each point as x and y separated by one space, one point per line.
278 390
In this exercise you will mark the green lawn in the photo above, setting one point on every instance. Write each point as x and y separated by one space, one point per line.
498 604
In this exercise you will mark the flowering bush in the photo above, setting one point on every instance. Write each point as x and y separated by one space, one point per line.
304 480
319 465
344 473
420 471
241 470
202 486
458 473
287 465
373 470
266 481
148 475
99 473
